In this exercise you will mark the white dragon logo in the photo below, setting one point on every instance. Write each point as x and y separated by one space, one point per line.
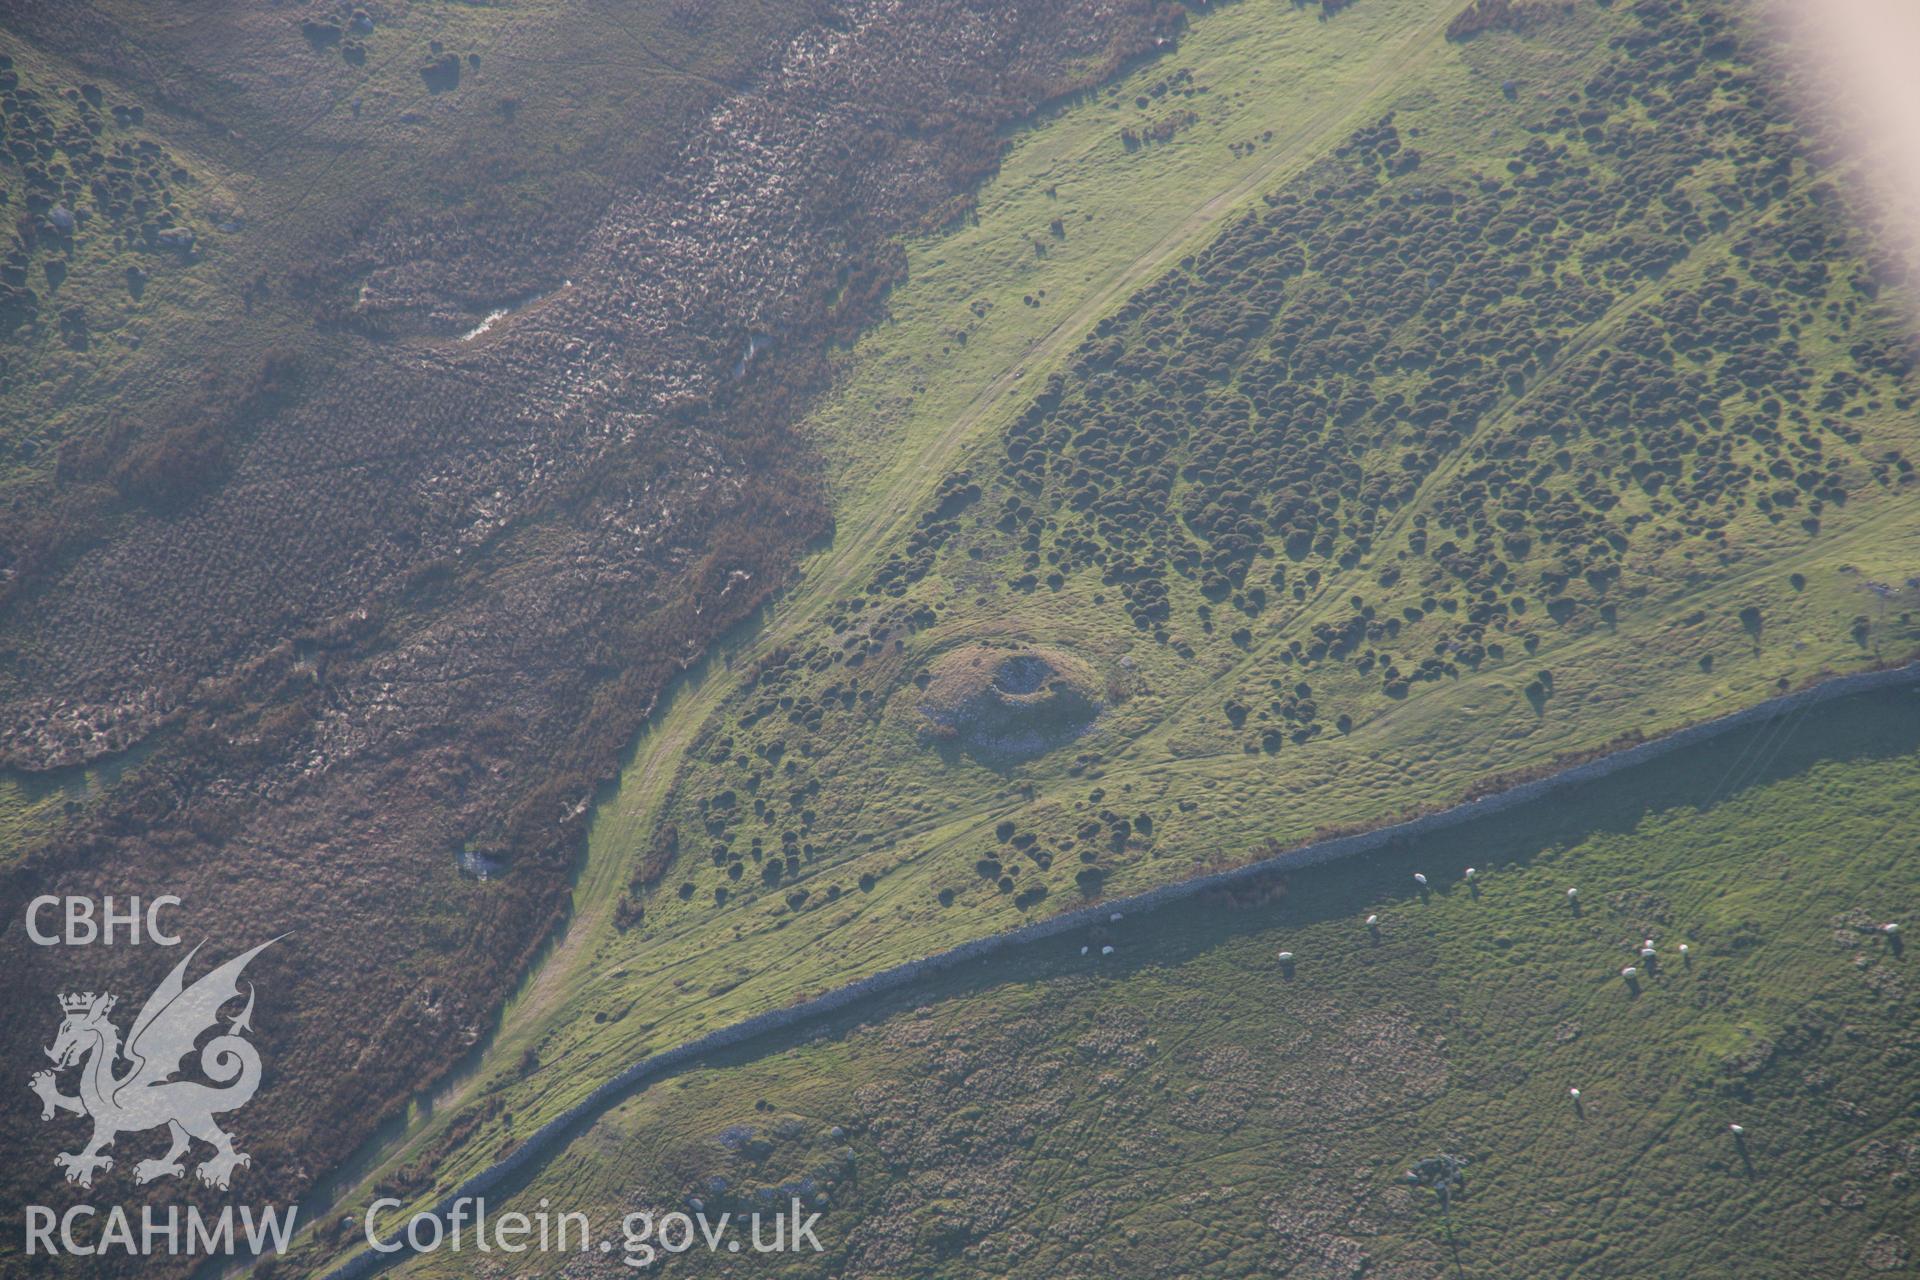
147 1096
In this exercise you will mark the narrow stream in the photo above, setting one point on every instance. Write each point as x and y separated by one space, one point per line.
506 309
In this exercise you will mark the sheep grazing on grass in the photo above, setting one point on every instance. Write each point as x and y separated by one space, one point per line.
1469 873
1573 895
1736 1130
1419 879
1373 922
1574 1094
1106 951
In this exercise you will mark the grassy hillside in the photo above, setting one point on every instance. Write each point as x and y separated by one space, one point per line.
1542 400
1190 1104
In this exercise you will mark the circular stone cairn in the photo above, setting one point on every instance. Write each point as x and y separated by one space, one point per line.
1008 703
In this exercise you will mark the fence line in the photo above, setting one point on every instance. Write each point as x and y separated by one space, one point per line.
550 1137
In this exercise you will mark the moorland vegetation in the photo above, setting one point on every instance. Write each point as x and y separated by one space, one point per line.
1551 401
320 588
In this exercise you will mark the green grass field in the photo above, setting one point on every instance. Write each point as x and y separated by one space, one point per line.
1186 1105
800 743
